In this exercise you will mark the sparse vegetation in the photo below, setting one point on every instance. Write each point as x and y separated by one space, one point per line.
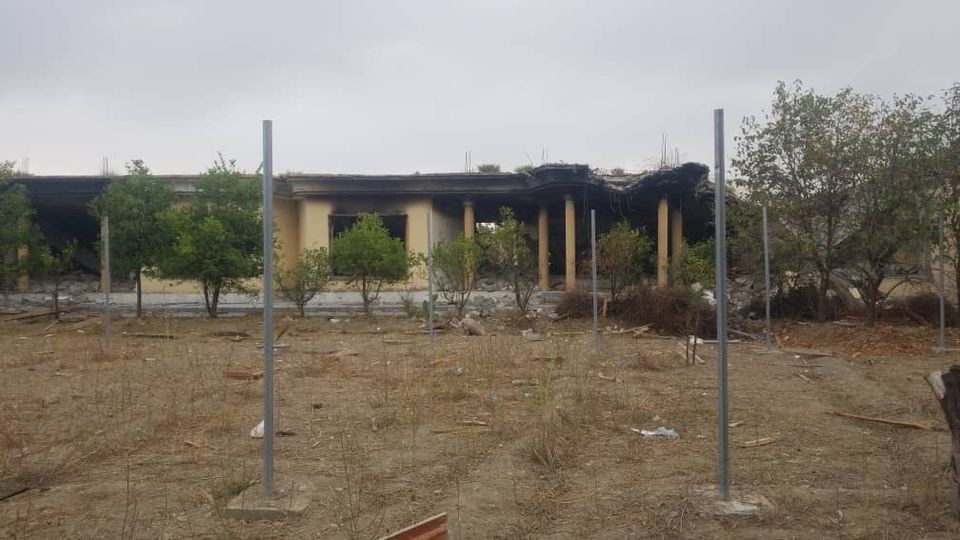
455 264
507 248
305 279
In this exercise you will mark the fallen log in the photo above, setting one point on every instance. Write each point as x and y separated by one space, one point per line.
887 421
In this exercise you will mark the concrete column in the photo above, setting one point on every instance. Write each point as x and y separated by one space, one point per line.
543 247
570 246
469 224
676 235
23 281
663 213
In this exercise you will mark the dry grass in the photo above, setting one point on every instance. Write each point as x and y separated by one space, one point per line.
152 440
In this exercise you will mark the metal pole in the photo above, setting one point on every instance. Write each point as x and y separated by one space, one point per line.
268 430
943 311
593 270
720 226
430 276
105 280
766 277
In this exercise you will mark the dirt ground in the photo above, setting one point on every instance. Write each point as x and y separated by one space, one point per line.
384 430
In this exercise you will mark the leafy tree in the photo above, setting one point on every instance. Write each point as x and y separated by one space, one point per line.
948 169
508 250
56 266
305 279
623 255
520 169
455 264
135 204
370 257
696 264
804 160
891 204
16 228
217 236
488 168
695 270
617 171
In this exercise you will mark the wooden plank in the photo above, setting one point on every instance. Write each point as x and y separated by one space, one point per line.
242 374
888 421
763 441
432 528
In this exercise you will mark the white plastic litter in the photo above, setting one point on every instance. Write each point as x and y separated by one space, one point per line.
668 433
693 339
257 432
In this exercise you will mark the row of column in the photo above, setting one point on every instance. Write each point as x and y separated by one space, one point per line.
668 236
669 233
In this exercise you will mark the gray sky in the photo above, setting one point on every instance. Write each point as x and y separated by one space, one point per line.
362 86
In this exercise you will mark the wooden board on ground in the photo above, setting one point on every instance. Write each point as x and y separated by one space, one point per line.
433 528
888 421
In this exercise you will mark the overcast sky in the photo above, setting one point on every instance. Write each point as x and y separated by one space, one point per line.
367 87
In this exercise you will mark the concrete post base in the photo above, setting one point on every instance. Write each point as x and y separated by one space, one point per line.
253 505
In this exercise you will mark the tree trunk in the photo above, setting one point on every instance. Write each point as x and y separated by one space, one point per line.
56 298
301 305
139 295
214 302
956 277
946 387
822 296
365 294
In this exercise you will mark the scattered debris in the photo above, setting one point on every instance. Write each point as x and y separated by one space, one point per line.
745 334
804 377
242 374
735 424
471 327
148 336
460 370
35 314
275 346
231 333
763 441
661 432
530 335
525 382
474 422
317 442
197 445
285 433
257 432
607 377
888 421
